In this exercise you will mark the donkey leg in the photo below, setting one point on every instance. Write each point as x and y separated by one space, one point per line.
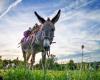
44 64
25 59
32 60
24 56
43 60
28 56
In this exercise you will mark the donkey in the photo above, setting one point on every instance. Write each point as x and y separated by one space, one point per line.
42 41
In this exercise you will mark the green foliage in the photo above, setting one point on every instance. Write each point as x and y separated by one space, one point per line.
19 74
5 62
1 63
50 63
71 65
26 74
55 71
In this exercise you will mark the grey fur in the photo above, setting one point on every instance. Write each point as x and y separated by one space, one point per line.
31 48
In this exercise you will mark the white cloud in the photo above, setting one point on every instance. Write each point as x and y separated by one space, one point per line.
69 36
9 8
2 5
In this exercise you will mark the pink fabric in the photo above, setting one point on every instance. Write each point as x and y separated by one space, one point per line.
27 33
30 36
25 40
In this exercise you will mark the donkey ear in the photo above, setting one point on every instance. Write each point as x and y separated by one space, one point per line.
41 20
55 19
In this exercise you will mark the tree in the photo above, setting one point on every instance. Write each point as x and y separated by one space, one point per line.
71 65
1 62
50 62
16 61
6 62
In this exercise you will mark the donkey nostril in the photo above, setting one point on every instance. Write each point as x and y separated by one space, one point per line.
47 48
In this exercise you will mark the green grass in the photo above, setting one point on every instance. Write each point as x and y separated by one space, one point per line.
25 74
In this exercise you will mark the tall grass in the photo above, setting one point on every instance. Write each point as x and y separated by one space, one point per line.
26 74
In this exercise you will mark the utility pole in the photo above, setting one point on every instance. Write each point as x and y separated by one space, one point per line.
82 47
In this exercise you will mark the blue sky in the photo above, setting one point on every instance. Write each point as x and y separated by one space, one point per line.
79 24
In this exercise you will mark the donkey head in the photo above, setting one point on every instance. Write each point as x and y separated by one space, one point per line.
48 28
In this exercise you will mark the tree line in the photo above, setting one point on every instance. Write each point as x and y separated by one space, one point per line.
52 64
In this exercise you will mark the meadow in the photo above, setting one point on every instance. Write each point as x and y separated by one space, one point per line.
26 74
55 71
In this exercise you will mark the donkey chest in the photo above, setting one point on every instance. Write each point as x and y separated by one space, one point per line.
38 48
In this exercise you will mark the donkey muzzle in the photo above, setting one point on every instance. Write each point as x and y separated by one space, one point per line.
46 44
